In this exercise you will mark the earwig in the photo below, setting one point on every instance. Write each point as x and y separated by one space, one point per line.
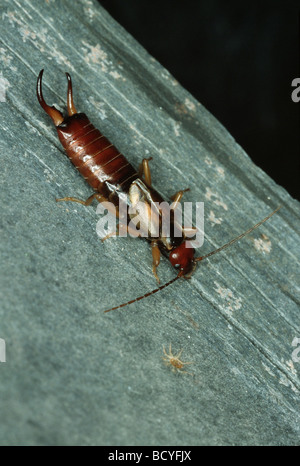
112 177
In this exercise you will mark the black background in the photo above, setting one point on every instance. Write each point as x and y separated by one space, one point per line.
238 59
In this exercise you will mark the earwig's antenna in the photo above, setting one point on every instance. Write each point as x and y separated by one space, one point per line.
197 259
147 294
237 238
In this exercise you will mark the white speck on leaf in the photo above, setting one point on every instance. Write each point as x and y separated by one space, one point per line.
216 198
27 34
94 54
291 366
100 107
232 303
213 219
268 369
166 75
176 126
4 85
5 57
88 9
285 381
221 204
220 171
263 244
207 161
190 105
115 74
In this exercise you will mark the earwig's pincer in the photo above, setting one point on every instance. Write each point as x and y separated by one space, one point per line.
95 157
54 114
71 107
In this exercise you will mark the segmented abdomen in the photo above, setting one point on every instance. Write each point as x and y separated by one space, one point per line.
99 161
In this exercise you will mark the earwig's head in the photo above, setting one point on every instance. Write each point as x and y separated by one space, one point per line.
182 258
55 114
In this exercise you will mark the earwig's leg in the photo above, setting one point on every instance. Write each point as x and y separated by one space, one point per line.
98 196
176 198
89 200
128 229
144 169
189 231
114 233
156 258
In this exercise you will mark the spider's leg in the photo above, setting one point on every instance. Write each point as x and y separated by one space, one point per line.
179 354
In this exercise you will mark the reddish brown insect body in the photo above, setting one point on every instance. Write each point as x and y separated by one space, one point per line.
99 162
111 175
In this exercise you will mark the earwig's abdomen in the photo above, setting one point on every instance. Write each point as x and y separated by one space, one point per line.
96 158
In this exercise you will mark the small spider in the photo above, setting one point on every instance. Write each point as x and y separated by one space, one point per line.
174 361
